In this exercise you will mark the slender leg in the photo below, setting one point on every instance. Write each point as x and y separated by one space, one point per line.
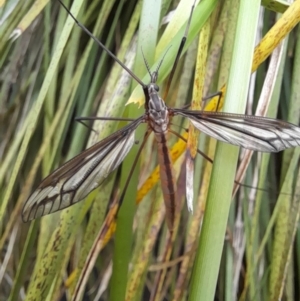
204 99
183 40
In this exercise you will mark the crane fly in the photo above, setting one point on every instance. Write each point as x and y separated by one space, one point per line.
74 180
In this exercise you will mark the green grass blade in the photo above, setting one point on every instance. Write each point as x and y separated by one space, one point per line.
208 257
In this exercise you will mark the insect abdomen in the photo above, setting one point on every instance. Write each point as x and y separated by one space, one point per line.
167 179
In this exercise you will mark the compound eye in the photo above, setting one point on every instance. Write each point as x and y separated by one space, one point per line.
156 87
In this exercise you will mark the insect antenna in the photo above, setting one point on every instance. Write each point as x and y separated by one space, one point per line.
146 63
154 75
103 46
161 61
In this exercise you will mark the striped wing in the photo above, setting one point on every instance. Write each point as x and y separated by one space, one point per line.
74 180
251 132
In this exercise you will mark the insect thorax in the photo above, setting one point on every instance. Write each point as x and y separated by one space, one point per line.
158 111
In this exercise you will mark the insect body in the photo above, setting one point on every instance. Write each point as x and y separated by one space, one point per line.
74 180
